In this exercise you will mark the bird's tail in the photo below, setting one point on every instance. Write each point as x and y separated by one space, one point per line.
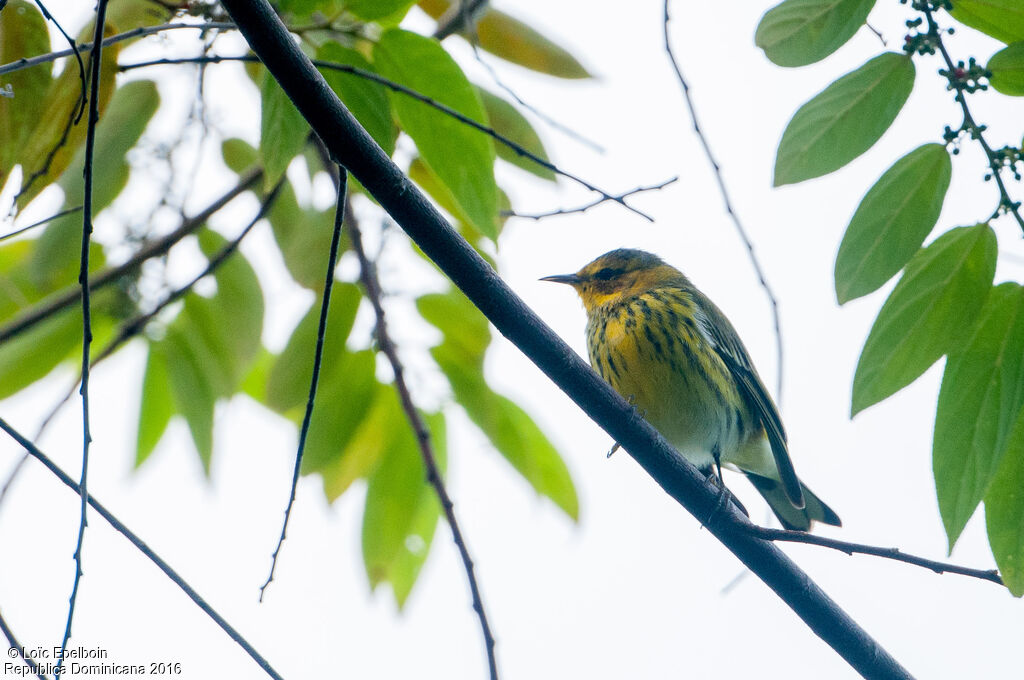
799 519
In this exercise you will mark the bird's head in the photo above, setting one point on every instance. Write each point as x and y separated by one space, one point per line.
618 275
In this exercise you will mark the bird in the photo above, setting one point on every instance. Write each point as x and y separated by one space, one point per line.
671 352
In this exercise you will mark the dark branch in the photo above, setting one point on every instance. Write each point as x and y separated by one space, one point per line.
353 147
13 641
321 334
61 301
83 281
118 526
368 276
402 89
728 202
862 549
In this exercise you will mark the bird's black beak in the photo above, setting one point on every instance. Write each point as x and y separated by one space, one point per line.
571 279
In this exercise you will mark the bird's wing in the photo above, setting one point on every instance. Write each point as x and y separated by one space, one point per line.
720 334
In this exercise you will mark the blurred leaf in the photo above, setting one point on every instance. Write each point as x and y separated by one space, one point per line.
304 9
801 32
283 131
930 312
463 158
32 354
56 259
416 546
18 289
844 120
892 221
288 384
343 398
397 489
1001 19
156 407
254 384
512 40
368 101
194 393
512 432
232 320
982 394
1004 513
43 149
371 438
304 238
22 34
371 10
239 155
508 122
1007 67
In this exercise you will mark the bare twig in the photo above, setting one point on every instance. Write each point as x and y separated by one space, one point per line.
118 526
76 50
368 276
83 279
896 554
877 33
127 35
12 641
61 301
47 220
584 208
728 202
396 87
321 334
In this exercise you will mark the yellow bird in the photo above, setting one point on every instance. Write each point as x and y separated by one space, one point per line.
663 345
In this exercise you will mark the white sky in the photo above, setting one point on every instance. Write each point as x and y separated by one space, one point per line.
635 589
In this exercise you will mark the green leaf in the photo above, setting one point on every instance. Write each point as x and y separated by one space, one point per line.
303 236
283 131
22 34
463 325
844 120
371 10
343 398
416 546
32 354
1001 19
1004 513
930 312
801 32
156 406
238 327
288 384
982 394
397 491
43 159
193 391
892 221
367 443
508 122
1007 67
463 158
239 155
368 101
515 41
55 261
430 183
304 9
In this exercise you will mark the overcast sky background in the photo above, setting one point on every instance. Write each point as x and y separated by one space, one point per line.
636 588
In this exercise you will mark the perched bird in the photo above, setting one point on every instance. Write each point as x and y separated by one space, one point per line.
664 346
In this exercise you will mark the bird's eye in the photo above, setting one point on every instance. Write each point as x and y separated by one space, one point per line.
606 274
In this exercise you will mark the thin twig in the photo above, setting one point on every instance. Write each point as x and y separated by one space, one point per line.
896 554
76 50
396 87
118 526
96 59
728 202
368 276
12 641
40 223
584 208
321 334
127 35
977 132
877 33
61 301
